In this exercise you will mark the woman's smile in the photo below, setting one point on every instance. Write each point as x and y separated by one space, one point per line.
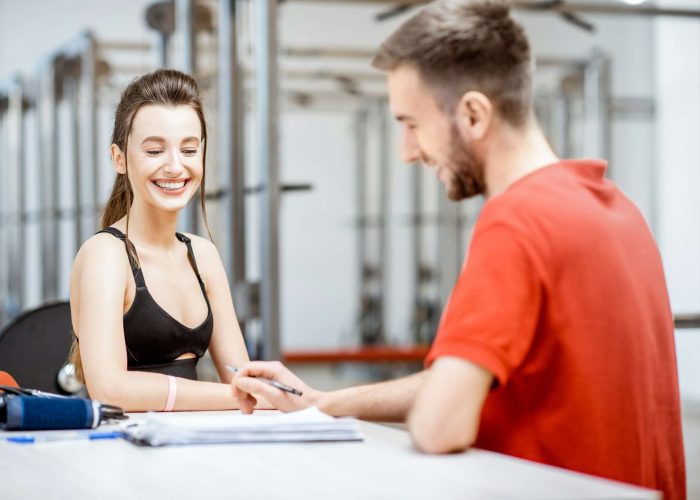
172 187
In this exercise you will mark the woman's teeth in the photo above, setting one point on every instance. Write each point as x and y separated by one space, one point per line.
171 186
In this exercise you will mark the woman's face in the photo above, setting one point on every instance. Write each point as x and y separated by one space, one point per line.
164 155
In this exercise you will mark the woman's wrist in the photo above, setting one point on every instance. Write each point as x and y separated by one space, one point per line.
172 393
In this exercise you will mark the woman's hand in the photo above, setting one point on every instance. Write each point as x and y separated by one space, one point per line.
246 388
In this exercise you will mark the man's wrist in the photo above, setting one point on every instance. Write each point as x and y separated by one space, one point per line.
322 401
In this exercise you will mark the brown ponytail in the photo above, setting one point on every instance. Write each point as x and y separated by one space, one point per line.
165 87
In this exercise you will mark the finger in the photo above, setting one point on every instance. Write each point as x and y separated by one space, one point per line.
267 369
246 401
236 391
248 404
260 389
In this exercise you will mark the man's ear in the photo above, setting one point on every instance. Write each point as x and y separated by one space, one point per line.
474 114
118 159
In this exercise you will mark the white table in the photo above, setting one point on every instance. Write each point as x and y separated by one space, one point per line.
383 466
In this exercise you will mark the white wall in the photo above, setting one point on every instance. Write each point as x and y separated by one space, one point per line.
677 80
31 30
318 254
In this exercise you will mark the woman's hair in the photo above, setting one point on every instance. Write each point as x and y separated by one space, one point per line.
165 87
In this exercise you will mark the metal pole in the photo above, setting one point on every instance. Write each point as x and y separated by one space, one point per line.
73 95
4 209
417 240
160 17
48 166
88 186
596 97
365 269
691 320
566 102
361 196
267 137
16 201
163 46
448 244
232 142
384 207
184 21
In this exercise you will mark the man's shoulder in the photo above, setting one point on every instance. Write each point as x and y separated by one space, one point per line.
559 194
516 206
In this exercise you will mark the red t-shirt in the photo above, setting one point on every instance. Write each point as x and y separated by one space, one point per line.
563 299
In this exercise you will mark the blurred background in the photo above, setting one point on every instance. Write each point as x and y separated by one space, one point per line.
340 258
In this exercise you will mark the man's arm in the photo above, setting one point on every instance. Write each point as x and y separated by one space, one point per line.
381 402
445 416
385 401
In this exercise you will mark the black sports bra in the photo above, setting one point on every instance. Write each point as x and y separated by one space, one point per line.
154 339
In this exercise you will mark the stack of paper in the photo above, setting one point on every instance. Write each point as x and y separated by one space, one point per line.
305 425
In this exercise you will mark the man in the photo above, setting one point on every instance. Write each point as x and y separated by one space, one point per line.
557 342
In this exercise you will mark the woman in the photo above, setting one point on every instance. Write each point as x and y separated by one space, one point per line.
144 309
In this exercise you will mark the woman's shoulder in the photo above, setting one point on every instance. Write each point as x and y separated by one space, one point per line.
202 246
207 257
101 243
100 249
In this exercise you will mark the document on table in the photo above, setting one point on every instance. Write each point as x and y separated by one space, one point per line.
301 426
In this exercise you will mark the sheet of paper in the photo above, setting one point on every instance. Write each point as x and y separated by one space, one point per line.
306 425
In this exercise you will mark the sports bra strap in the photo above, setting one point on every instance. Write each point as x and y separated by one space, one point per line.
130 252
190 253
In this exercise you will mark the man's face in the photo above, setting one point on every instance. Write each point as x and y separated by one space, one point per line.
431 136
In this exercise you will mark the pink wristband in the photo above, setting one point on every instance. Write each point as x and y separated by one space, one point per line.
172 393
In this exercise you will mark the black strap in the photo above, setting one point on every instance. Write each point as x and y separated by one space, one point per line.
134 262
190 254
130 252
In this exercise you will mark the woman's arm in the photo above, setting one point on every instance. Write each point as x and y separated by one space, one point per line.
100 280
227 346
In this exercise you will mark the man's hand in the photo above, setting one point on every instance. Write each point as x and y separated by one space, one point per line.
246 389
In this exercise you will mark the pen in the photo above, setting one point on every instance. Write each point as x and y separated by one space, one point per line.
64 436
273 383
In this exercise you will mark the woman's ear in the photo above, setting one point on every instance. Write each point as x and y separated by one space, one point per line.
118 159
474 114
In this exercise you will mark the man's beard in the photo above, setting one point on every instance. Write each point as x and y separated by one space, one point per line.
466 172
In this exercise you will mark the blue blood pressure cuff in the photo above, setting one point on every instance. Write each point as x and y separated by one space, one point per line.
27 409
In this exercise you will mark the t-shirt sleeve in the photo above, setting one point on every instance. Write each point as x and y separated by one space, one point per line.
491 316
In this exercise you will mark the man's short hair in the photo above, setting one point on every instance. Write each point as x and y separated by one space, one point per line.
463 45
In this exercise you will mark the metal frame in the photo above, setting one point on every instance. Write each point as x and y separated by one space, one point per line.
48 167
184 23
584 94
687 320
426 308
88 180
231 102
384 162
4 207
268 161
370 315
69 75
449 246
561 7
14 184
596 96
231 147
372 228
